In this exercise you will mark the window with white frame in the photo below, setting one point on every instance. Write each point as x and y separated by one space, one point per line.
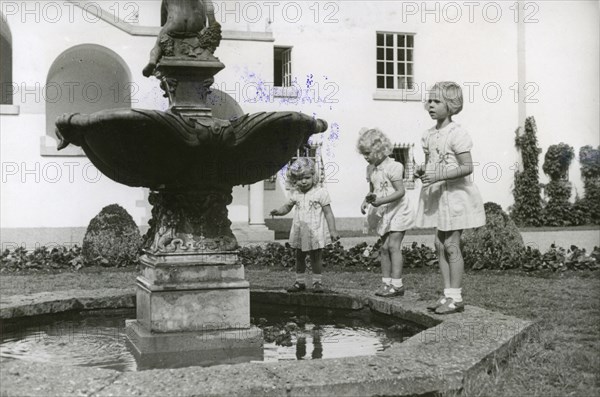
283 66
395 65
403 153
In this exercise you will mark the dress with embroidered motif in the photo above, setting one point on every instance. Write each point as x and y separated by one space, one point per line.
453 204
396 216
309 227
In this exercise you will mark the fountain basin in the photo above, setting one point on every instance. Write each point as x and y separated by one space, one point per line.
171 149
99 338
451 351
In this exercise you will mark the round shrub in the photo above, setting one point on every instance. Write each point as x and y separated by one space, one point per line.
497 245
112 238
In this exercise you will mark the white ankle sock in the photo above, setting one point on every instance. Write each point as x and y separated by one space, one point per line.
316 278
301 278
397 282
386 280
454 293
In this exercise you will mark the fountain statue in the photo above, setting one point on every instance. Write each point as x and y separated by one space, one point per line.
191 281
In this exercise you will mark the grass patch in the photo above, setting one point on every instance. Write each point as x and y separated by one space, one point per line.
562 360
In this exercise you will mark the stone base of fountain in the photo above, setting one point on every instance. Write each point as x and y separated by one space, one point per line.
193 309
185 349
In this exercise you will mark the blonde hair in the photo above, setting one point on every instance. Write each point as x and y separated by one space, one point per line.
451 94
374 141
300 167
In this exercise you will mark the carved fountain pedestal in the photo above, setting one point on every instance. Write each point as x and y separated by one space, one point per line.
192 300
193 309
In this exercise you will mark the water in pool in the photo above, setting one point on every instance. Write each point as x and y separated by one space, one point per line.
97 338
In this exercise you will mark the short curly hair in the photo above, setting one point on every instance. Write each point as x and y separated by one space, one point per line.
451 94
300 167
374 141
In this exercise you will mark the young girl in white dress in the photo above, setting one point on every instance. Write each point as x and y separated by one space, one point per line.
389 212
308 234
449 201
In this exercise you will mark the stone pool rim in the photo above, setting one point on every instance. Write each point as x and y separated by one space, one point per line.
452 350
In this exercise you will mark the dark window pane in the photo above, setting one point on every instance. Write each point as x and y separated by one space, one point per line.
380 54
379 67
389 67
389 82
401 55
409 55
389 40
410 41
379 39
409 69
410 83
380 83
389 54
401 68
401 82
400 40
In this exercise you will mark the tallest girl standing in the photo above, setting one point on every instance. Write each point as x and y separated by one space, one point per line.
449 201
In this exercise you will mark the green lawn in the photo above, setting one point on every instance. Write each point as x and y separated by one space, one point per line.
562 360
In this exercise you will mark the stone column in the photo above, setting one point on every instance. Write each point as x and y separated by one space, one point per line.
256 206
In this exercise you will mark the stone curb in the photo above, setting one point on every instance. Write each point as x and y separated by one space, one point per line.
441 358
62 301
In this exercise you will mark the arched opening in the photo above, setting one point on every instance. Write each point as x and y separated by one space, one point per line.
6 89
85 79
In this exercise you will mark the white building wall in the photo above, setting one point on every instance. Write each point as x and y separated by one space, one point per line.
561 59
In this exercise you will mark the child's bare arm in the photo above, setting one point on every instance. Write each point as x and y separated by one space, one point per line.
283 210
397 195
330 222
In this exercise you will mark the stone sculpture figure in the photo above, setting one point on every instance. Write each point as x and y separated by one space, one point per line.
189 29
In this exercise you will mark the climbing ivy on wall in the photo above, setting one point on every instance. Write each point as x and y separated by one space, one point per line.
527 210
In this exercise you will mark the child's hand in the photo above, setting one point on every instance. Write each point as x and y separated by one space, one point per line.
363 207
334 236
431 176
419 172
371 197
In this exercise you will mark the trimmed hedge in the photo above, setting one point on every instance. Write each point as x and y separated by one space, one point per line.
360 257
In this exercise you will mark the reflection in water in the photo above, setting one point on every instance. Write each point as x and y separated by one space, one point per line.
301 347
318 346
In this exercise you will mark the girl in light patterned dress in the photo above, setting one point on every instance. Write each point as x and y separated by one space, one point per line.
449 201
389 210
308 234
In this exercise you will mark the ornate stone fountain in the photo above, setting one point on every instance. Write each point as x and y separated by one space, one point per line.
192 297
